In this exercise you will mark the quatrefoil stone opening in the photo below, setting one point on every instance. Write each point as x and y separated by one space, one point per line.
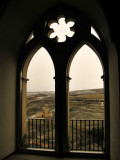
61 29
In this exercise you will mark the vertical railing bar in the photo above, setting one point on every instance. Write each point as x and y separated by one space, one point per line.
79 122
80 134
98 135
32 132
44 133
52 132
29 132
93 134
76 134
48 133
72 134
40 133
89 137
36 133
85 133
102 134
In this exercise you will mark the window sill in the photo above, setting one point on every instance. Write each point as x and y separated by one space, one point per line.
17 156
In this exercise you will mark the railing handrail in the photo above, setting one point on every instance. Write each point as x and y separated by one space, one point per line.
86 119
70 119
40 118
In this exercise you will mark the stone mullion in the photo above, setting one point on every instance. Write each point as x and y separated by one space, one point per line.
61 113
24 83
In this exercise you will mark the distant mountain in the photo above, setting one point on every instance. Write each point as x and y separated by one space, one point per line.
88 91
75 93
41 93
83 104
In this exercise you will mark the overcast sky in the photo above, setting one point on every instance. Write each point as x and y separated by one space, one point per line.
85 71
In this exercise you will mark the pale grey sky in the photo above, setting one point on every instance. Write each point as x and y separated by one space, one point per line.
41 72
85 71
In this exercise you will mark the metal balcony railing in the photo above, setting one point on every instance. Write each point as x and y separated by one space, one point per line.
41 133
84 135
87 135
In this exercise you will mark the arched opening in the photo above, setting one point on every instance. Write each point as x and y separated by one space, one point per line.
38 101
61 51
86 102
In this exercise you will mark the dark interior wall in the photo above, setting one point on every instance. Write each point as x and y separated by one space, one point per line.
7 102
16 22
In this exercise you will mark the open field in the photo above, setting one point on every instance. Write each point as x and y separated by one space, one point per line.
88 104
36 103
83 104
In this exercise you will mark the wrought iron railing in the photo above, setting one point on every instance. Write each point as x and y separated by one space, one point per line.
84 135
41 133
87 135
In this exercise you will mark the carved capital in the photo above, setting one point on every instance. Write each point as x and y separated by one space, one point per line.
103 77
24 79
68 78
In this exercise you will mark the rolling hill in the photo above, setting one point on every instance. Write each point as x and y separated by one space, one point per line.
83 104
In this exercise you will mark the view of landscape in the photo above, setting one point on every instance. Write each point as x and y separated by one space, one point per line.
38 102
85 106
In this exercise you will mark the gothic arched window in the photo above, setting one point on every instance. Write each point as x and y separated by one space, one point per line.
62 32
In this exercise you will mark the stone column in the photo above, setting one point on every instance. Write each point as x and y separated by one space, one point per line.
106 115
68 116
24 82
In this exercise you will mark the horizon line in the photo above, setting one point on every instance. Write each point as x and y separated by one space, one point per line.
70 91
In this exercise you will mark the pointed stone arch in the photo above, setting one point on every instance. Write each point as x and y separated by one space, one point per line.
30 54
